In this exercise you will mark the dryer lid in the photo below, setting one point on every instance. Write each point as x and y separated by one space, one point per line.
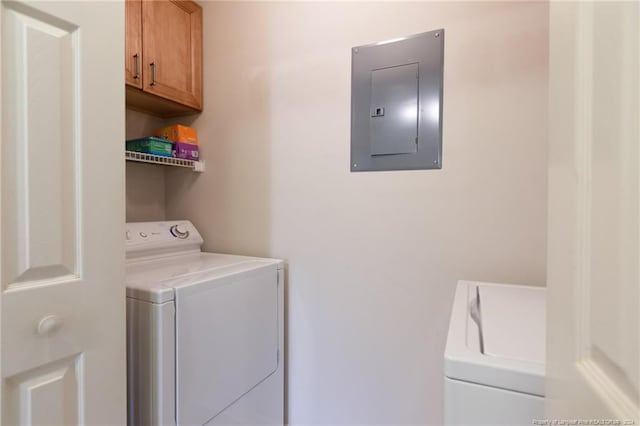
227 334
154 279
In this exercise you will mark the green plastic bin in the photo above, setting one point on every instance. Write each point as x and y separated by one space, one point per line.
151 145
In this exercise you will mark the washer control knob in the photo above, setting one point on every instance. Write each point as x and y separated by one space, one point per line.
179 231
128 235
143 234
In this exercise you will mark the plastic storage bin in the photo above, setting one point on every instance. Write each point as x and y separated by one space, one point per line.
151 145
178 133
186 151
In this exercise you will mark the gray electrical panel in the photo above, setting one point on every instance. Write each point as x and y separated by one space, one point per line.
396 104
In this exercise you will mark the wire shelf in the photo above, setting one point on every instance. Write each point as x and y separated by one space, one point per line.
141 157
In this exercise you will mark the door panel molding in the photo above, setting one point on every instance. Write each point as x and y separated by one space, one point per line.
593 350
41 179
48 386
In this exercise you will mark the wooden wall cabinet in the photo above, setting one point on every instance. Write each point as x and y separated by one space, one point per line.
163 64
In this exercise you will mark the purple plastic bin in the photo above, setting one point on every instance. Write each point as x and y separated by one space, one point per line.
186 151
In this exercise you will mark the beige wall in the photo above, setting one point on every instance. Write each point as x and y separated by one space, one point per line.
373 257
145 185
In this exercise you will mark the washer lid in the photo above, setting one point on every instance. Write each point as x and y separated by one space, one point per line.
511 320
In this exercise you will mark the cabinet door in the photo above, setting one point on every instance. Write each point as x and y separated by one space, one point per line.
172 45
133 43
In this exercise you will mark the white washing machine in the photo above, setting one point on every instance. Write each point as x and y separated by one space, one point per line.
494 359
204 331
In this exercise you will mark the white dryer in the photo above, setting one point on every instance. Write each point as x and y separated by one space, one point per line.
494 359
204 331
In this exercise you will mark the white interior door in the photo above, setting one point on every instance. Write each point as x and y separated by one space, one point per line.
593 355
62 213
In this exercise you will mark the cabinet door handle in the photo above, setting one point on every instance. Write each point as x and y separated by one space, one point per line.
154 65
136 69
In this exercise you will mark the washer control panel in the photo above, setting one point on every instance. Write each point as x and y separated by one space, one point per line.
140 236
